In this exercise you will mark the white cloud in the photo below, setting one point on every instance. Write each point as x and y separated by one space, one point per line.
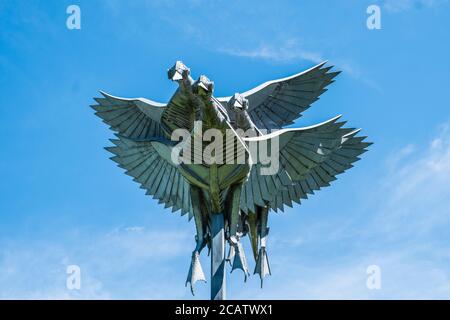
403 276
134 229
404 230
394 160
38 271
292 51
135 243
288 51
109 263
394 6
417 194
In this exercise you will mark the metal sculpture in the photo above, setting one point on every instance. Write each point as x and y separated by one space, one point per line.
229 199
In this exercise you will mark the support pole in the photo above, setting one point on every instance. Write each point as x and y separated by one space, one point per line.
218 277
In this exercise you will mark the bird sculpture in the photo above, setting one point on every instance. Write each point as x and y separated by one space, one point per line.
230 187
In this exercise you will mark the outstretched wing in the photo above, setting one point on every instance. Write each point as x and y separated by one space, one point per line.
150 166
337 162
133 118
311 157
277 103
259 190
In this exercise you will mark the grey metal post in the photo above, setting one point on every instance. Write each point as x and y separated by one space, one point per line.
218 277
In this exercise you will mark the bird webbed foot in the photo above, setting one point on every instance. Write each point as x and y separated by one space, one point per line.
262 265
237 255
195 271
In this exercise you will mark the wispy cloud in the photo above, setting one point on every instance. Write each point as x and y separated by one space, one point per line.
404 275
394 6
288 51
263 41
399 235
419 190
404 231
109 262
394 160
27 275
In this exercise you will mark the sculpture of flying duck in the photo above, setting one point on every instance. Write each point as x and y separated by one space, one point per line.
230 200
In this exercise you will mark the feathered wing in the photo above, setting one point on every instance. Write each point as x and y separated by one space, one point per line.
148 162
133 118
259 189
277 103
311 157
137 123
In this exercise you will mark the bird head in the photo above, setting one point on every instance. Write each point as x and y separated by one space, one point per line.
178 71
238 103
203 86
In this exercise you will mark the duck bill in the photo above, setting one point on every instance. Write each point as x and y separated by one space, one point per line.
177 76
237 105
202 85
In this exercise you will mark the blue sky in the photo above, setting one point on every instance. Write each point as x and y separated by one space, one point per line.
63 202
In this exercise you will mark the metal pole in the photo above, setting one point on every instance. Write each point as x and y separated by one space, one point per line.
218 277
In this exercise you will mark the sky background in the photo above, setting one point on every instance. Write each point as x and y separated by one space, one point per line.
63 202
